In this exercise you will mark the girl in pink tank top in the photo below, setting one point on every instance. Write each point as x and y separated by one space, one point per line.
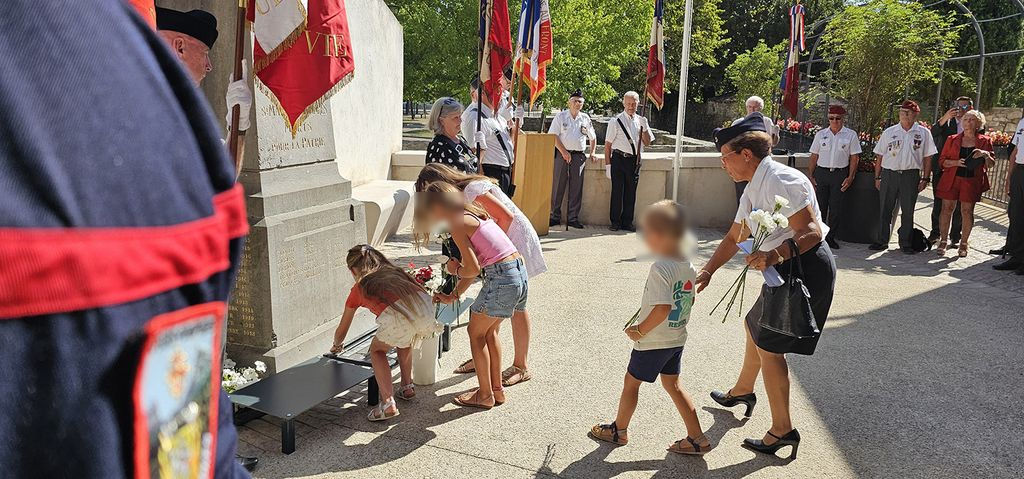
487 252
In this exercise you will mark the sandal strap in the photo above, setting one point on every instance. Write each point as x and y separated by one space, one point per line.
773 435
696 446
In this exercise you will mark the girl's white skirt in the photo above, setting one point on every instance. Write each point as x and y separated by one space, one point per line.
396 329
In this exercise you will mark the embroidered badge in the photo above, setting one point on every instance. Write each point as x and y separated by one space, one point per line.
176 391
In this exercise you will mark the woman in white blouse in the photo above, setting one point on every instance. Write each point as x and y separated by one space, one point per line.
746 156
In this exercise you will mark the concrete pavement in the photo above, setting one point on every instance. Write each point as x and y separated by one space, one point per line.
918 374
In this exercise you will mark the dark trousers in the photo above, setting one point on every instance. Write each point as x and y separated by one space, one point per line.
624 179
898 187
829 190
502 174
568 176
958 220
1015 210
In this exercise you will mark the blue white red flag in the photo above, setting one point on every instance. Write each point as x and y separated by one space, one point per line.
790 84
535 49
656 57
495 34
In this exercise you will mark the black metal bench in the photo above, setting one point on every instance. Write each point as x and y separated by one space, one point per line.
295 390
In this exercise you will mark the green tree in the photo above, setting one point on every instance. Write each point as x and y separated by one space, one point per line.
757 72
884 48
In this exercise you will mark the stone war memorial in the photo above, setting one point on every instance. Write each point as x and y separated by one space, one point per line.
291 287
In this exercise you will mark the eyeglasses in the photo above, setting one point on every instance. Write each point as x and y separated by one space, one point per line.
835 118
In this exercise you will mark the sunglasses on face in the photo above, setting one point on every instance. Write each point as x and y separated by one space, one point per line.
835 118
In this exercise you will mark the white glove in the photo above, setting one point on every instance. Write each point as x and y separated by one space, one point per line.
644 124
239 94
520 113
480 140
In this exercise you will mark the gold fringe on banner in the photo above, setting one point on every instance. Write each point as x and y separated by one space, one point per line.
290 40
309 109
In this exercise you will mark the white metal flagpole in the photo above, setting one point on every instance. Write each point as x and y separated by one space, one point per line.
684 73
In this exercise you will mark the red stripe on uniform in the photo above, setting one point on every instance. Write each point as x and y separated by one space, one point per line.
54 270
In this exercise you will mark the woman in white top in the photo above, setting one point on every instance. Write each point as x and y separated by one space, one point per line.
487 194
746 156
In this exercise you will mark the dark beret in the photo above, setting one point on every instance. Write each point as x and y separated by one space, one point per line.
195 23
577 94
910 105
752 122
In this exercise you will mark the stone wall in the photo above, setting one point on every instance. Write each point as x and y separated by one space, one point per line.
1002 118
704 188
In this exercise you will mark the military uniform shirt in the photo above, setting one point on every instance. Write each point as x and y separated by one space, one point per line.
497 152
905 149
1017 136
834 149
574 132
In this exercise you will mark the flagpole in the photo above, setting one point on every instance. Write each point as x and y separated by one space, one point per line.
684 74
516 130
236 139
480 84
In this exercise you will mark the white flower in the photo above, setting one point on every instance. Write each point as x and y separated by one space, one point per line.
249 374
261 367
763 219
781 220
433 283
229 364
780 202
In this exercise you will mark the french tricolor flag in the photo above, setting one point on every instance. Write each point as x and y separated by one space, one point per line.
656 57
790 84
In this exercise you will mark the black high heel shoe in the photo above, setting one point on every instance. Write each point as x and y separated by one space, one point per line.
791 438
728 400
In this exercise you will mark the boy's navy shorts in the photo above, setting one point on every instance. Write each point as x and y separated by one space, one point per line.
647 365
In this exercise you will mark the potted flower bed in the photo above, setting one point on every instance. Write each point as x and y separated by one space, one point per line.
861 208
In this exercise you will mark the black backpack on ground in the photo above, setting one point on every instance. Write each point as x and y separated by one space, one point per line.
919 242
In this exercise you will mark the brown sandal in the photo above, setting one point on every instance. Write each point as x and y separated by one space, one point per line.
609 433
496 391
514 375
468 403
466 367
692 447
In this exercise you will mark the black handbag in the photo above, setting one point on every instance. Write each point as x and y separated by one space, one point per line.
786 309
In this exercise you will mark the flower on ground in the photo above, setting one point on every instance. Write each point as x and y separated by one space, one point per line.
261 367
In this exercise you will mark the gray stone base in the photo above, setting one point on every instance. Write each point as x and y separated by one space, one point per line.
293 282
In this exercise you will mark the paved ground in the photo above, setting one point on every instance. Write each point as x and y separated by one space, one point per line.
918 374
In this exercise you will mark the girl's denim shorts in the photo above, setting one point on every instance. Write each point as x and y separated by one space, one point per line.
504 290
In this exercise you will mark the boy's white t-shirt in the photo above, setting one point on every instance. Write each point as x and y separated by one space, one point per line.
670 281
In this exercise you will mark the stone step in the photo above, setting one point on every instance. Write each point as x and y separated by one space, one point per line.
389 208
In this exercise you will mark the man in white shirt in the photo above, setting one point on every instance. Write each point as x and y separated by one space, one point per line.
1015 210
623 145
572 129
493 139
902 170
835 154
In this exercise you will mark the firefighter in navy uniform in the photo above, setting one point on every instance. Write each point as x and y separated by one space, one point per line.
120 233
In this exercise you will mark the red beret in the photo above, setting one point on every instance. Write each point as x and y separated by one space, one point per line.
836 110
910 105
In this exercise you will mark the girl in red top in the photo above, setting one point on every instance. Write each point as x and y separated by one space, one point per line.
965 160
405 315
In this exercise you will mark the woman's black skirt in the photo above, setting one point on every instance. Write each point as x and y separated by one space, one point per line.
820 278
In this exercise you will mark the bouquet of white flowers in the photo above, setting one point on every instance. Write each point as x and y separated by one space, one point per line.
766 223
232 379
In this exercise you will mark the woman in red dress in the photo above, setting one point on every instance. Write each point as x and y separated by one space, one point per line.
965 160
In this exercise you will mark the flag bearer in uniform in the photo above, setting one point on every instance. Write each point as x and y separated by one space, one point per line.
572 129
902 170
493 138
835 153
120 233
622 148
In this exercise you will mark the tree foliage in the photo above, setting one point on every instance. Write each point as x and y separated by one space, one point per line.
884 48
599 45
757 72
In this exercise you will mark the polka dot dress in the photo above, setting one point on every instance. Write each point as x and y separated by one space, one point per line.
446 151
